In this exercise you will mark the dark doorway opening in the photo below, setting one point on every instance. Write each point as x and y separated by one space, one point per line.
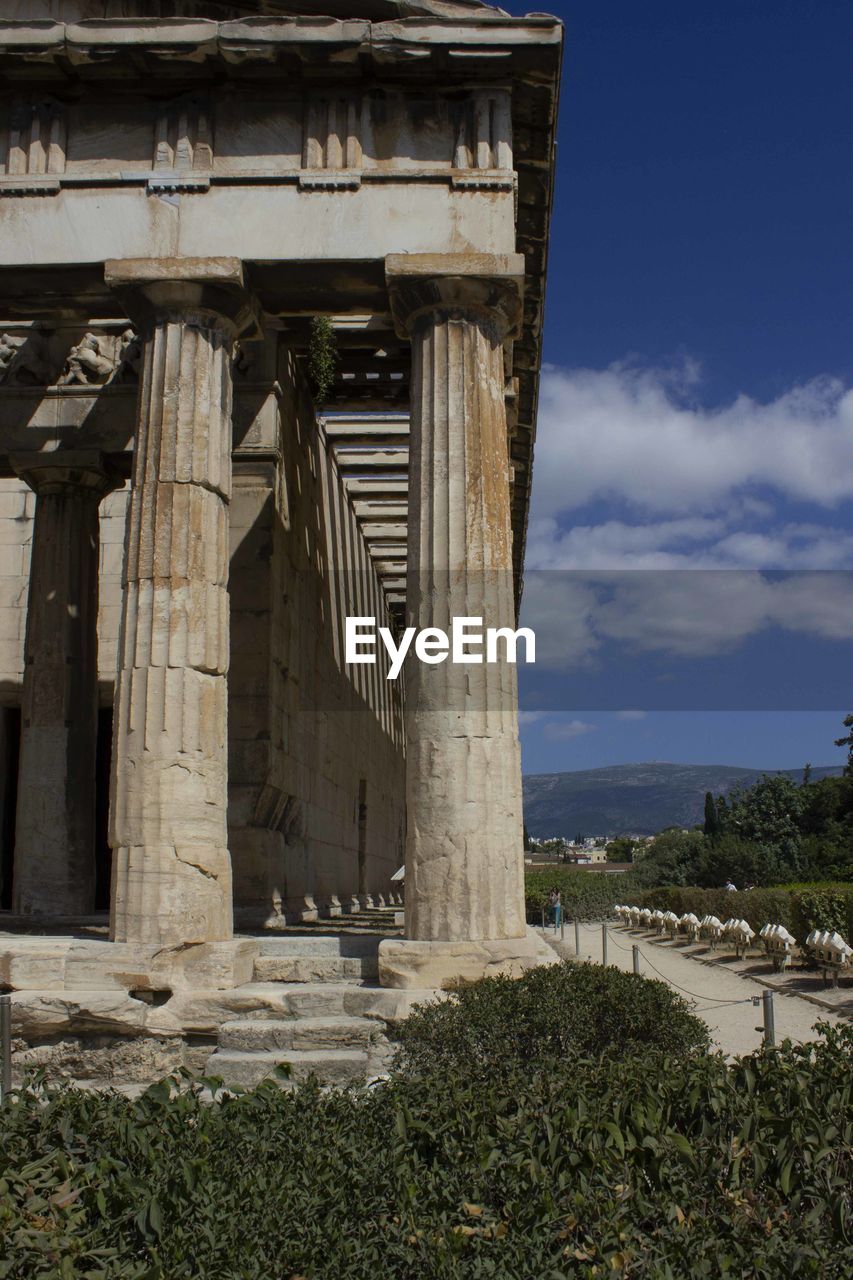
103 853
10 745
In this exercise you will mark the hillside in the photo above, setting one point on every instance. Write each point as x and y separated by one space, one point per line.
638 798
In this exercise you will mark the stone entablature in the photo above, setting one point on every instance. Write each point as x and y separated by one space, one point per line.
447 116
319 139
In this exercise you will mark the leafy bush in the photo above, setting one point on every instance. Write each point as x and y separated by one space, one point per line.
690 1169
756 906
823 907
800 908
499 1024
586 895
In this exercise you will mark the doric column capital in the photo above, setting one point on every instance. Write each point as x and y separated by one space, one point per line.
469 284
212 290
62 470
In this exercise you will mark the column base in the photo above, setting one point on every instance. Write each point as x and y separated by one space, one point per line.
440 966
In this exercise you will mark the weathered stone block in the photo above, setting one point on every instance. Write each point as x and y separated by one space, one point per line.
443 965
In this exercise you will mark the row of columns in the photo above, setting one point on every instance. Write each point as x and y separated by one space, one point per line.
168 807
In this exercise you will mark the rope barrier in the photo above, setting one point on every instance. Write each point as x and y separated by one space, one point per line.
693 994
706 1008
619 944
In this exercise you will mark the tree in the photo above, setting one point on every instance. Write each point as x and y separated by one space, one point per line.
712 824
722 814
671 858
620 850
807 774
769 815
847 742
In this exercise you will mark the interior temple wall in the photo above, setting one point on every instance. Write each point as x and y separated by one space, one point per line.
316 798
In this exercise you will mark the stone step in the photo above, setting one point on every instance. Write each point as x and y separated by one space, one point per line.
330 1066
324 1000
290 944
313 968
302 999
255 1035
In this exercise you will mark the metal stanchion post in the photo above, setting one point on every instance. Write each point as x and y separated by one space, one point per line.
543 917
562 927
604 944
636 951
577 938
5 1047
769 1019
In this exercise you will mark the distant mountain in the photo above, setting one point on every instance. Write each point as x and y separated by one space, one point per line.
636 798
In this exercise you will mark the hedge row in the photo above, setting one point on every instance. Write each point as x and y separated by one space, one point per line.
687 1168
592 895
800 910
586 895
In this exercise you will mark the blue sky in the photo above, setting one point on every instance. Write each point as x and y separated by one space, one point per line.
696 426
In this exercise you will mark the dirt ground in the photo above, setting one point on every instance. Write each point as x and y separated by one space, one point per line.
720 988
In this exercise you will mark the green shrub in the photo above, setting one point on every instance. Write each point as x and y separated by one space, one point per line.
498 1024
686 1169
800 908
586 895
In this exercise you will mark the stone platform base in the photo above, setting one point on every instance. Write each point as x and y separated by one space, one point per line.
32 961
114 1015
440 966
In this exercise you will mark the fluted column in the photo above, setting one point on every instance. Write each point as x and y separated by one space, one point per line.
464 849
171 865
54 865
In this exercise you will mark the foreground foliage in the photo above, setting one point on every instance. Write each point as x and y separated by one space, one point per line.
563 1010
599 1168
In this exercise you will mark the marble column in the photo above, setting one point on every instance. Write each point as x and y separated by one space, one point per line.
171 865
464 913
54 865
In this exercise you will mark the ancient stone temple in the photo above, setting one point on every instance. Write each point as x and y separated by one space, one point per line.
271 295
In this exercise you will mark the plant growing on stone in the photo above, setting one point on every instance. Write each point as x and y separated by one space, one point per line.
322 358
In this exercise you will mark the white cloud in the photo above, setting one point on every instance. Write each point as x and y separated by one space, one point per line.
563 730
687 486
679 489
688 543
531 717
688 614
631 433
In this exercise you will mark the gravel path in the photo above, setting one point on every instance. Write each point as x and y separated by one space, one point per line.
735 1028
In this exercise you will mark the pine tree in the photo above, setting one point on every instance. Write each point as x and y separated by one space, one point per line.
848 743
712 824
